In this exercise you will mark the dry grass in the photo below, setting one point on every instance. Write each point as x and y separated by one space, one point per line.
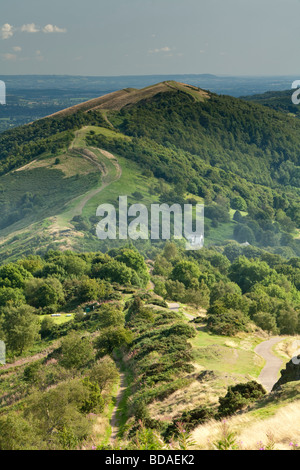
288 348
119 99
251 431
70 165
204 392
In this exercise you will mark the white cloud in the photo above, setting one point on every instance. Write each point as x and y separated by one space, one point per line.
9 56
17 49
162 49
50 28
30 28
7 31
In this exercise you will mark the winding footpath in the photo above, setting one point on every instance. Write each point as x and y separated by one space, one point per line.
114 418
270 373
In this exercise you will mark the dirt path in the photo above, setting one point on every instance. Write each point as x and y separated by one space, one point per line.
114 417
269 374
28 360
88 154
175 307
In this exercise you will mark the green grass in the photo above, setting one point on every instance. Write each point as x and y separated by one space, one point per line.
233 211
269 405
131 181
225 354
59 320
108 414
219 234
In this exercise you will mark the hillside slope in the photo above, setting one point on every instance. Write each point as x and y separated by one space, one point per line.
130 96
174 143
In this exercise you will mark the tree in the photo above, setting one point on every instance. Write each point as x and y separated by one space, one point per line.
74 265
170 250
104 373
76 351
111 339
17 434
187 273
232 251
44 292
13 275
8 295
238 203
266 321
246 273
114 271
243 233
21 328
47 327
109 316
226 322
89 289
198 297
134 260
57 415
288 321
175 290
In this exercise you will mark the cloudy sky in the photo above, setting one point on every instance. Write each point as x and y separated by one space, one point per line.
143 37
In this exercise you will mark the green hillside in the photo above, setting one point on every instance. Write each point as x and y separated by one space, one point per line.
277 100
166 143
140 345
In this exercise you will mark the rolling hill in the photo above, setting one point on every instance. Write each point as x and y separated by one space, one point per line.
149 347
170 142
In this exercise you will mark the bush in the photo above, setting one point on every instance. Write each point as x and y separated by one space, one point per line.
77 351
113 338
159 302
190 419
240 396
227 322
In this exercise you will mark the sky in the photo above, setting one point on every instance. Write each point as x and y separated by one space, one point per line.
149 37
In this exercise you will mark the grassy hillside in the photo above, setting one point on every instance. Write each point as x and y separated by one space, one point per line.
241 159
269 425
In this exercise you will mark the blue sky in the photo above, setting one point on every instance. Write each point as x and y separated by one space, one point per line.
144 37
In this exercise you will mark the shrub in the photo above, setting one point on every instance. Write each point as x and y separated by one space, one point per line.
239 396
190 419
159 302
227 322
113 338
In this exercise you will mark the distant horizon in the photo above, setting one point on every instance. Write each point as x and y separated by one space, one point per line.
149 75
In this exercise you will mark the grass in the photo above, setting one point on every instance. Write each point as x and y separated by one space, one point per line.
131 181
219 234
233 211
274 418
122 412
225 354
59 320
102 428
287 348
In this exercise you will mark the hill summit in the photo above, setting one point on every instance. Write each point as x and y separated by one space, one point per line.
129 96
